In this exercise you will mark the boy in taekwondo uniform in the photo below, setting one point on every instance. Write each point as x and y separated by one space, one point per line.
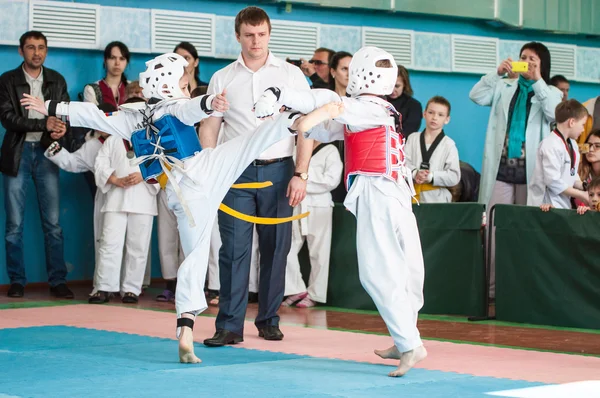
379 190
167 150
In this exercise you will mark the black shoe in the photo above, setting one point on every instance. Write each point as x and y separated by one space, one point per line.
99 298
62 291
223 337
252 297
270 333
16 290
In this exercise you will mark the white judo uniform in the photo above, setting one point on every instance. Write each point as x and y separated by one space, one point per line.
443 164
553 173
390 259
325 173
170 251
203 180
128 216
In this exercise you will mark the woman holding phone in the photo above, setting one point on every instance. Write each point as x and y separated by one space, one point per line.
523 106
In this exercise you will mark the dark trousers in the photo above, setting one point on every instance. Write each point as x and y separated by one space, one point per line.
274 245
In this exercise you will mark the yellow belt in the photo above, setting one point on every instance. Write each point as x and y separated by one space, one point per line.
162 180
422 188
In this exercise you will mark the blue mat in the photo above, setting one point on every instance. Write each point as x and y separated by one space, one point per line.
73 362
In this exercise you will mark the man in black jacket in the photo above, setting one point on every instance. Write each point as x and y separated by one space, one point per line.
28 134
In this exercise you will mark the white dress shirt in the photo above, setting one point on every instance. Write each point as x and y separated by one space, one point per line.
244 88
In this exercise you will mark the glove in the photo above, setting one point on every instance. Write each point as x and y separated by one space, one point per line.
53 149
266 104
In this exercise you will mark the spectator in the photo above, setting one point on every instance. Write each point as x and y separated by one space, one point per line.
111 89
402 99
133 90
338 81
561 83
593 190
555 180
325 171
189 53
593 122
317 68
515 129
28 134
129 211
338 72
432 155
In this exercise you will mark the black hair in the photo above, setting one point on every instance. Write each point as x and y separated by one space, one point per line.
124 52
544 54
189 47
35 34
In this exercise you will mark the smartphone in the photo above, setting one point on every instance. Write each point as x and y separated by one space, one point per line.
520 66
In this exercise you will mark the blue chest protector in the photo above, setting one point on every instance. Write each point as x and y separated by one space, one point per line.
166 136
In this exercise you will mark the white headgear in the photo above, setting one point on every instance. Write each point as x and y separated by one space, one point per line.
366 78
162 75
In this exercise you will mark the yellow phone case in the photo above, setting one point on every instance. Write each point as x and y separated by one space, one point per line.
520 66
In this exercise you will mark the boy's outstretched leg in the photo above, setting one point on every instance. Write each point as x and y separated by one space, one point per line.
408 360
185 334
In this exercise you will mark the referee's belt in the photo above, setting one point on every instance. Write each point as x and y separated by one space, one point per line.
264 162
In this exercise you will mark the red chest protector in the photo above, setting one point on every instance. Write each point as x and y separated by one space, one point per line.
374 152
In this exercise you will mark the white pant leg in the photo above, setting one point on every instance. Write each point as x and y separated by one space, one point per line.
254 264
318 239
98 220
211 174
110 254
384 226
137 243
148 269
169 247
213 258
507 194
294 283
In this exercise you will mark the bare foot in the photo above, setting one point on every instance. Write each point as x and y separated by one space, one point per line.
186 346
408 360
390 353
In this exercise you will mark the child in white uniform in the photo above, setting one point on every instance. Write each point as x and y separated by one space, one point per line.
555 180
129 211
196 185
325 173
432 155
380 188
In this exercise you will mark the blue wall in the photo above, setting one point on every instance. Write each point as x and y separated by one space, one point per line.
79 67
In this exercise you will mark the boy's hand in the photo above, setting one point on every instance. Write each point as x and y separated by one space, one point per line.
219 103
32 103
134 179
334 109
582 209
546 207
422 176
118 182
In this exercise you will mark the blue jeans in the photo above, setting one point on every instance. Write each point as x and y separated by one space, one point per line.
45 177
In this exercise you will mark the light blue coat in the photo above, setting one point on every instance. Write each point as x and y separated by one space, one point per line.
497 92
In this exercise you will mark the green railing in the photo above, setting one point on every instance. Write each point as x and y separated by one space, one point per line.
547 267
452 243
